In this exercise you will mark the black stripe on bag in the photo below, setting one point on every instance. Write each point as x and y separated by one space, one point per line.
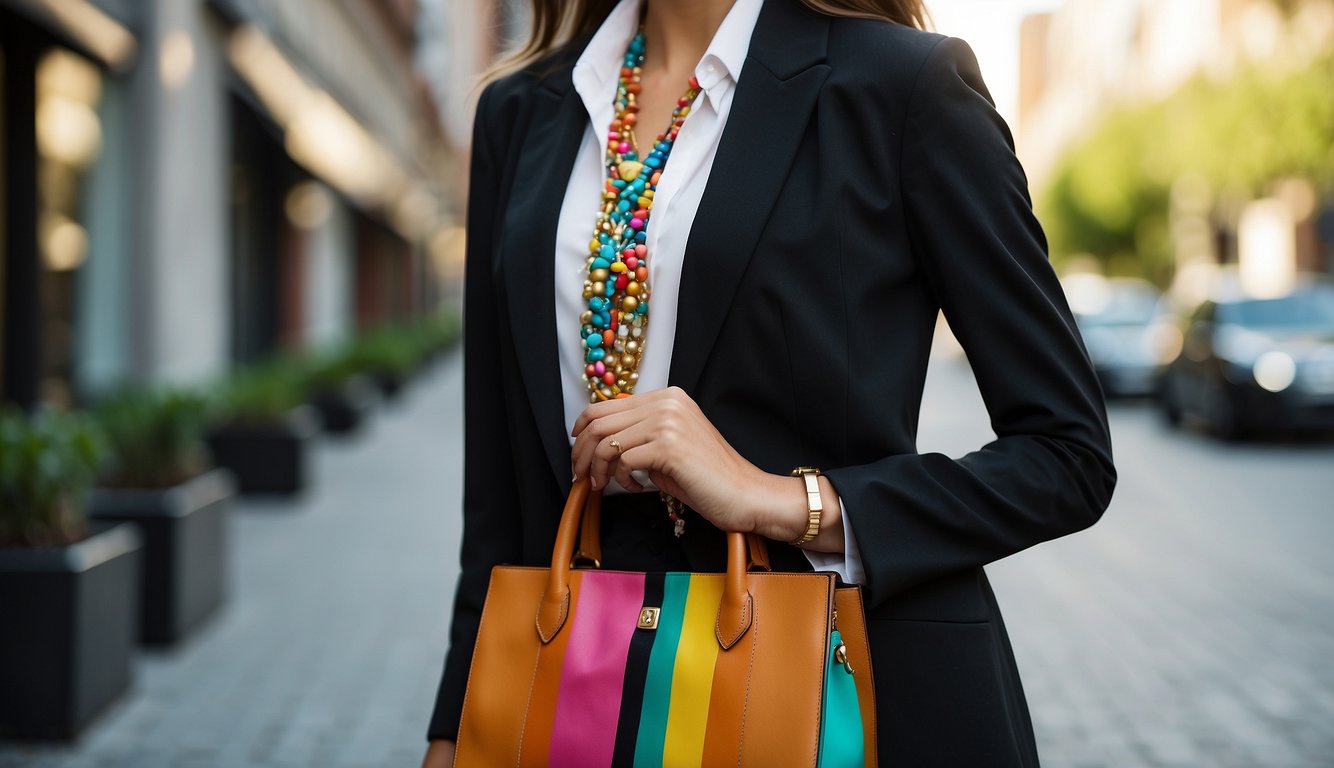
636 670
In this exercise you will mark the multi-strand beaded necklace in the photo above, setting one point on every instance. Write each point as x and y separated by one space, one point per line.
614 326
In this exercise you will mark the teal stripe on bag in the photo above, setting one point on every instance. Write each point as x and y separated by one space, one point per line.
841 738
661 664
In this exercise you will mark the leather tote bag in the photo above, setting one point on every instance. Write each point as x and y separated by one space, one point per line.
591 668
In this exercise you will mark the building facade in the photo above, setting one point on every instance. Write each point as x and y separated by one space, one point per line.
1090 57
189 185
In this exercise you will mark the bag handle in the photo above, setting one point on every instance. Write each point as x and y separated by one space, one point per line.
589 546
735 610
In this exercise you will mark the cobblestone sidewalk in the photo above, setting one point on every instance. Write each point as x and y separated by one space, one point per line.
1192 628
329 651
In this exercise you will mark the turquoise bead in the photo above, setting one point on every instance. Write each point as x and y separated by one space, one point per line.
593 340
624 205
595 355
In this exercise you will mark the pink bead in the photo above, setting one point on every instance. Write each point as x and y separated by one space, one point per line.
599 368
637 223
631 262
640 250
624 147
613 136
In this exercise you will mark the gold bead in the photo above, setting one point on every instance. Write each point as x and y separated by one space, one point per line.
629 170
632 289
586 317
629 304
599 275
599 288
632 347
588 292
622 383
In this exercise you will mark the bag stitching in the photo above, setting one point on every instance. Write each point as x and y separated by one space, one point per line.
745 706
528 706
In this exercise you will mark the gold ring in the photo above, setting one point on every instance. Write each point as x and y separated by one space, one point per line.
616 444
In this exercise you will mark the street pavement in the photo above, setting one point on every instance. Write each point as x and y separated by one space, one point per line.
1192 627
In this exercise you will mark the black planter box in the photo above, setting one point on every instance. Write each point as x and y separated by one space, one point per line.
270 459
345 409
185 549
69 625
391 383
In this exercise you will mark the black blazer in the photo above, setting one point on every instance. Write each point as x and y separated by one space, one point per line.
864 182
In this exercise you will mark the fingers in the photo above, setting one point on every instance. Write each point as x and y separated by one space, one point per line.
607 458
581 454
603 409
627 480
608 407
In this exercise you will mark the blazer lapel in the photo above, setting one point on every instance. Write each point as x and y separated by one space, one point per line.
527 264
775 94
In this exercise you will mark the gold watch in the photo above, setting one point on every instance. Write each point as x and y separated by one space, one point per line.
813 503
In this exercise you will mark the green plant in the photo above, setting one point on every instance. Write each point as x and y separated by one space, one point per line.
330 370
260 395
440 331
390 351
47 463
155 436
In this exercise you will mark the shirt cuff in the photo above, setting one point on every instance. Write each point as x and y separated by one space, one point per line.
848 563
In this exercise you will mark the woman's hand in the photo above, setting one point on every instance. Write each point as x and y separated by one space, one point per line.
440 754
665 434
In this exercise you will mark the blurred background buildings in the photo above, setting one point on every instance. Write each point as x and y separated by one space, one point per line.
192 188
194 184
1164 138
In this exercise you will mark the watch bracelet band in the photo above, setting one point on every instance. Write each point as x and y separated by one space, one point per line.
814 504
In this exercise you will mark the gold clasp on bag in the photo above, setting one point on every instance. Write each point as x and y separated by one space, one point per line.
648 618
841 656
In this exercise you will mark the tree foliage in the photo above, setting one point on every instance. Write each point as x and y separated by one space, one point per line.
1109 193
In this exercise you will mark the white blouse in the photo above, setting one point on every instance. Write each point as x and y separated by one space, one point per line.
674 205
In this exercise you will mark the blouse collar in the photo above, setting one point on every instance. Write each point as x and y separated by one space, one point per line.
598 68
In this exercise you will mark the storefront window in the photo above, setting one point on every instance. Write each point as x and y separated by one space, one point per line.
4 237
69 140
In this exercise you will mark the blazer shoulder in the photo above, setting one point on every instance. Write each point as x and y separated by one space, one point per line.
890 58
501 98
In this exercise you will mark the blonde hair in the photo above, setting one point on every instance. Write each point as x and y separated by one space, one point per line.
556 22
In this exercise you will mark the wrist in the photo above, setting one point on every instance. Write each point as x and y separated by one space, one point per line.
780 511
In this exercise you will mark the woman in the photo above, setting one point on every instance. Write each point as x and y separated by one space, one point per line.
839 177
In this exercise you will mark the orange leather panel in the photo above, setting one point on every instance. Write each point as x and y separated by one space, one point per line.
546 683
507 649
852 626
790 633
722 746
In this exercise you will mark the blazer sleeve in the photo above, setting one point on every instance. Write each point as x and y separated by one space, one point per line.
490 509
984 257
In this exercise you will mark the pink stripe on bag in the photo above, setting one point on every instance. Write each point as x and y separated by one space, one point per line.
592 675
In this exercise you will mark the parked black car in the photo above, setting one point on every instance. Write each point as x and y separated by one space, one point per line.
1129 334
1250 364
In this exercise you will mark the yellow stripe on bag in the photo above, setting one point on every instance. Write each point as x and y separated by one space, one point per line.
692 677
